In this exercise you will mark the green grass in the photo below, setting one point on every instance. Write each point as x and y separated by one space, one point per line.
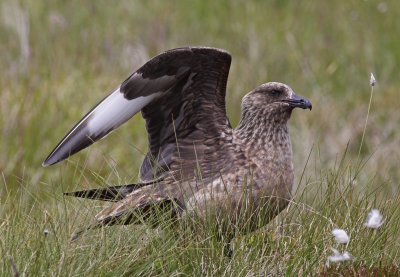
75 53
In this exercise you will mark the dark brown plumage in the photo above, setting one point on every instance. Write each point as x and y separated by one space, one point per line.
195 159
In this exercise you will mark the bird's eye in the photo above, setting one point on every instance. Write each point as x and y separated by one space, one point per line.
275 91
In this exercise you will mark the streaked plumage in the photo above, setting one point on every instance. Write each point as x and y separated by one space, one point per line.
195 159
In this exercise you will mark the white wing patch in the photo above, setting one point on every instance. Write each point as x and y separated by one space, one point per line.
114 111
105 117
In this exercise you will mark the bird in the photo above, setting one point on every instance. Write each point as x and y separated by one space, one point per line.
196 163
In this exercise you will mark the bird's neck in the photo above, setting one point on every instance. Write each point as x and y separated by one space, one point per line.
258 124
265 139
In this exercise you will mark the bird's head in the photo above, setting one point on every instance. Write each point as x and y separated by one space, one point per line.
275 98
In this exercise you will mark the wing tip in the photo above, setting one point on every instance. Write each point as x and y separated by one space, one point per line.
46 163
49 160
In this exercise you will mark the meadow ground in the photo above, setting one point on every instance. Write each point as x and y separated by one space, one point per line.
58 58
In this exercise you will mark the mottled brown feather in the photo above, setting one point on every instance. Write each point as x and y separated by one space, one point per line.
199 161
192 111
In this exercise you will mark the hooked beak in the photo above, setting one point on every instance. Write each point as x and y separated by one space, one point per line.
299 102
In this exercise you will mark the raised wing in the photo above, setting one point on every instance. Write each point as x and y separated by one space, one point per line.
193 112
181 94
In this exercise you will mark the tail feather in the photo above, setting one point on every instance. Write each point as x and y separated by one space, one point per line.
112 194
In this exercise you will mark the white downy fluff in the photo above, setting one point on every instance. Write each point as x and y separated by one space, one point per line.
341 236
339 257
374 220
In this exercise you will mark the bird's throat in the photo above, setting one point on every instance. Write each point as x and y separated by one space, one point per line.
265 140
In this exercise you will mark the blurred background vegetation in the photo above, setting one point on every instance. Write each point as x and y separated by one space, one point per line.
59 58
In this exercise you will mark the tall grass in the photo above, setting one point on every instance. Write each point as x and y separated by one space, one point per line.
298 240
59 59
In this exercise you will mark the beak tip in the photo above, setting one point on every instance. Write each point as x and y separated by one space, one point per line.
307 104
300 102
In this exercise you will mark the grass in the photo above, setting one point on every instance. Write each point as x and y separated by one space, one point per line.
59 59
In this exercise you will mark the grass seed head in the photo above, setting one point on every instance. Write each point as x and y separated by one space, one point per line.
372 80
